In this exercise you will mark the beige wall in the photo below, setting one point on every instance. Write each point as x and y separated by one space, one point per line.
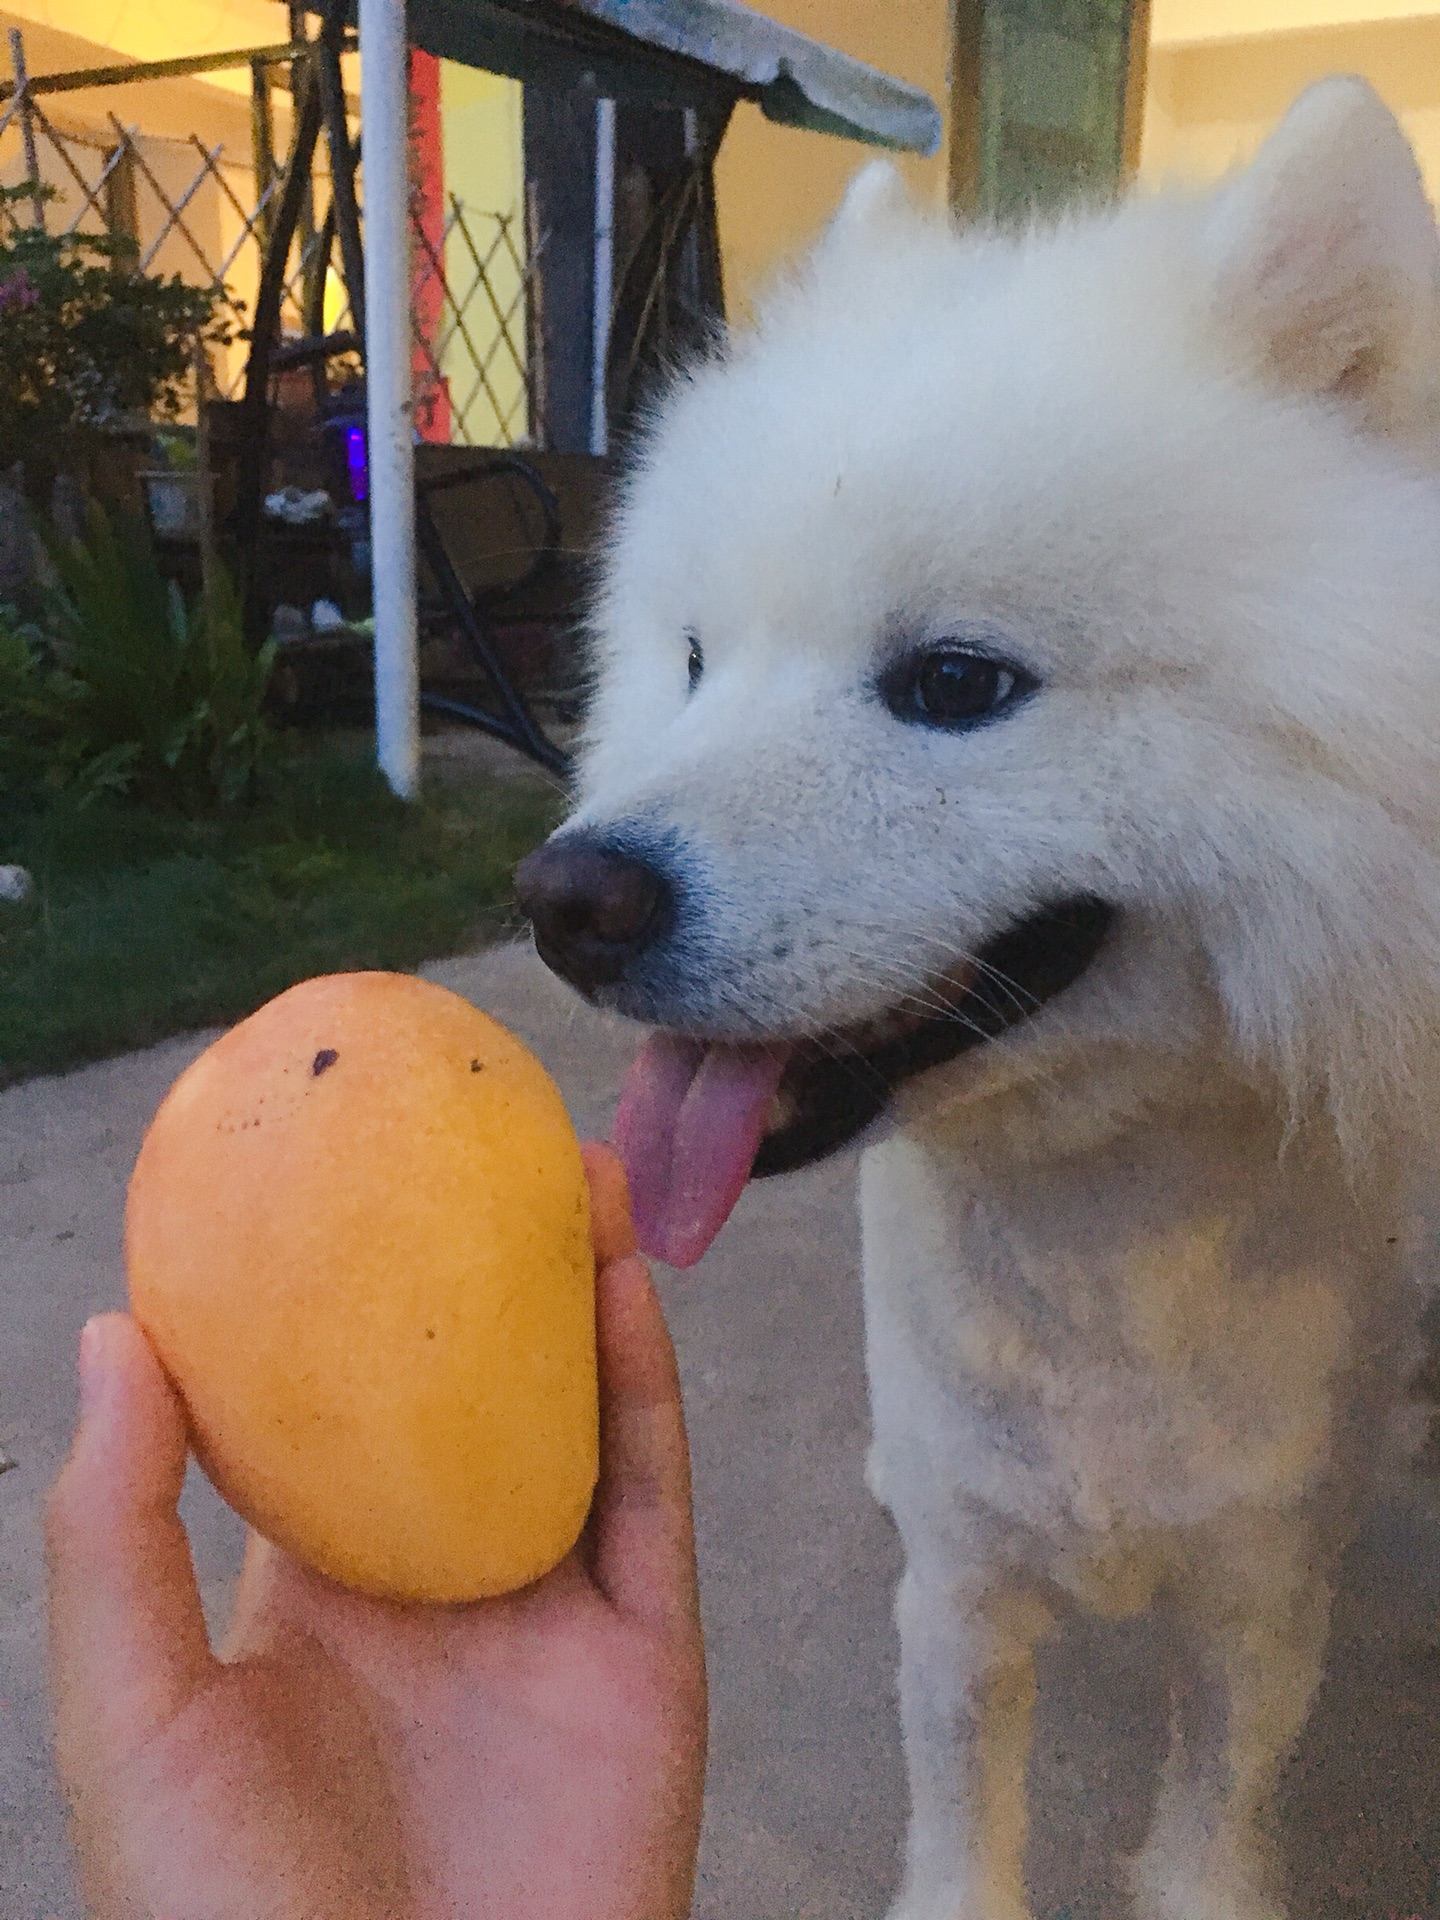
776 185
1222 72
217 106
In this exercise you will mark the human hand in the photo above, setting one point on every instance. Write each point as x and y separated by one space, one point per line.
344 1758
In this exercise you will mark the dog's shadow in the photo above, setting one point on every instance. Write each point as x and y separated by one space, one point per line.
1360 1798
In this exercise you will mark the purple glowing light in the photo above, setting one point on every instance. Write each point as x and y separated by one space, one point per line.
357 462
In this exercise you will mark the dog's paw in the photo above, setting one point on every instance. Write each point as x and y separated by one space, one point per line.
1203 1900
955 1907
908 1910
1194 1887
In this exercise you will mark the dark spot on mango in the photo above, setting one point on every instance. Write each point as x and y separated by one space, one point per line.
326 1057
477 1066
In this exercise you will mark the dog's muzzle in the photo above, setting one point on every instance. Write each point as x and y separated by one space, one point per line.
701 1114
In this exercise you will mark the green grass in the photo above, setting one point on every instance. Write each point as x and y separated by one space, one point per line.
143 923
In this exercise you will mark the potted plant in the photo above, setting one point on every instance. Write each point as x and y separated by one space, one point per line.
88 345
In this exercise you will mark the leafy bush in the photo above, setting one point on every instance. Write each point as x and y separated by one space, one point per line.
170 698
37 709
126 688
84 336
44 741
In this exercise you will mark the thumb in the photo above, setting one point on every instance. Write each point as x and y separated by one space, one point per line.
128 1645
643 1532
611 1227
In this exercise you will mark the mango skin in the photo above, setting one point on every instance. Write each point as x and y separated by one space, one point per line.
358 1238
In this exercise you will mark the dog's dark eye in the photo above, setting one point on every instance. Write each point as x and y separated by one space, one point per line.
696 662
952 687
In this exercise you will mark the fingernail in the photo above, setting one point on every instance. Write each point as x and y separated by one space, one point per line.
91 1366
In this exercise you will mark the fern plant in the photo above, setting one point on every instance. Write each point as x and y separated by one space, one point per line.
176 683
41 737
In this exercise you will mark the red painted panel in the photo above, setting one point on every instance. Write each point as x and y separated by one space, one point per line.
427 202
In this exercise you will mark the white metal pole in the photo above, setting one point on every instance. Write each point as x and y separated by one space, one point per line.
604 272
384 121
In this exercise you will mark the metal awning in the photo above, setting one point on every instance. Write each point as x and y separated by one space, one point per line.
684 53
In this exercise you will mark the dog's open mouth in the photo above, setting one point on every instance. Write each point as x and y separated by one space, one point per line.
697 1119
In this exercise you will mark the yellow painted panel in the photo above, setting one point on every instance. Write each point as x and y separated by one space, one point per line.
482 121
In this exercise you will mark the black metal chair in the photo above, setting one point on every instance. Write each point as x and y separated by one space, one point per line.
474 612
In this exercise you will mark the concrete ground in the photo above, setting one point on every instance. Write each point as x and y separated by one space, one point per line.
806 1799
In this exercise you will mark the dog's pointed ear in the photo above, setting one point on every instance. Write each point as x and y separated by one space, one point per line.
875 203
1325 264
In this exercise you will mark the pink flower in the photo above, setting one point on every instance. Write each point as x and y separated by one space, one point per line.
18 291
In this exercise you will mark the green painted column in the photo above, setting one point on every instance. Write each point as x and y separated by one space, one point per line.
1046 101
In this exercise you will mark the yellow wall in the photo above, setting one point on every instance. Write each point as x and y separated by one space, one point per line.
483 121
776 185
1222 72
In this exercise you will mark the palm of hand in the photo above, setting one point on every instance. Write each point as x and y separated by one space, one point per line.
518 1757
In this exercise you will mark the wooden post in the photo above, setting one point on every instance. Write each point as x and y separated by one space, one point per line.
314 247
342 160
122 213
1046 101
27 127
967 28
205 474
262 147
537 409
1138 58
305 233
254 413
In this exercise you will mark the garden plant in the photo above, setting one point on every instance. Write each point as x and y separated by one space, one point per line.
187 860
86 338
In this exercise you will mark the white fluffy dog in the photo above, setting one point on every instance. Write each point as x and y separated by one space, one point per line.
1018 739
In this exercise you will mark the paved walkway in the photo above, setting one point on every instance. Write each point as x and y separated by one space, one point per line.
805 1802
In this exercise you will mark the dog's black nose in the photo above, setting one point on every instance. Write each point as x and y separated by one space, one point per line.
593 908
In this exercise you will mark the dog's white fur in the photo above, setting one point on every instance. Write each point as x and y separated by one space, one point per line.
1134 1274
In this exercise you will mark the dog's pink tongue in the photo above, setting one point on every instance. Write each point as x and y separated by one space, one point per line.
688 1127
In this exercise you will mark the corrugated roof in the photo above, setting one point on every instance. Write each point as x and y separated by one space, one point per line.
684 51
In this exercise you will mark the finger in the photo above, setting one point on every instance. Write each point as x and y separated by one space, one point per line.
279 1599
611 1227
257 1592
127 1635
642 1526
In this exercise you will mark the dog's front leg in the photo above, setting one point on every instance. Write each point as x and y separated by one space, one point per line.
1257 1605
967 1694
